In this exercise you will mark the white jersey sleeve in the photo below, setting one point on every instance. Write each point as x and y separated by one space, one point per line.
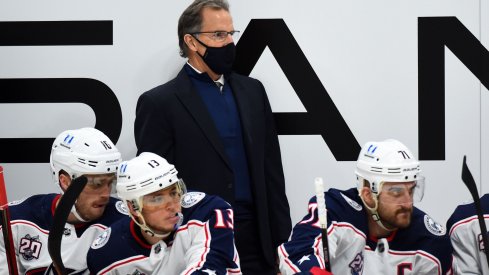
466 238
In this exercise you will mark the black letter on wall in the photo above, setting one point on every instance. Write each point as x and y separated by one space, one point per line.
434 33
322 117
92 92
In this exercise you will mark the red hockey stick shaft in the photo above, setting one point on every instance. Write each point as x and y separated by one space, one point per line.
6 228
3 191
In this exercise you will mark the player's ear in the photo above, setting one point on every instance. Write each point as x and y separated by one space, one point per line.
367 196
64 181
133 214
130 207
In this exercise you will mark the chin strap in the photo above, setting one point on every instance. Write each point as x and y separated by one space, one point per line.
373 211
77 215
73 208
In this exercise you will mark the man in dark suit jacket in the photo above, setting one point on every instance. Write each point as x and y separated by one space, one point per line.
217 127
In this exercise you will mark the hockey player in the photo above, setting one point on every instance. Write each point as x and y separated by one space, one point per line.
171 231
85 151
372 229
465 234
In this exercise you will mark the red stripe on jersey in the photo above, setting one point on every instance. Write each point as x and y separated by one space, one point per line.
24 222
347 225
464 221
286 259
389 238
101 226
39 270
207 242
132 226
55 203
317 254
117 264
192 222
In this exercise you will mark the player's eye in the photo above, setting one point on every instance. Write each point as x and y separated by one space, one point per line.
155 199
395 190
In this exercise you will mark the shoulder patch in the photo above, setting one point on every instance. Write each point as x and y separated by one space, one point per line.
122 208
434 227
192 198
102 239
352 203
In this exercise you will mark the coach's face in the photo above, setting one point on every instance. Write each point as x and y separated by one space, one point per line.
207 51
214 20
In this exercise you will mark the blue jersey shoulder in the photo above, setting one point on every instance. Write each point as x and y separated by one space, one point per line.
36 209
115 244
346 206
467 210
200 206
342 207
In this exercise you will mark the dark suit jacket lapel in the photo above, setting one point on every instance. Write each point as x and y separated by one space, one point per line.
196 107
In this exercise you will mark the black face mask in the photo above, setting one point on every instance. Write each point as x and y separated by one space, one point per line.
219 59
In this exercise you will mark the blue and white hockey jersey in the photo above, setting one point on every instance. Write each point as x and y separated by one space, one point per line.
202 244
31 220
465 234
422 248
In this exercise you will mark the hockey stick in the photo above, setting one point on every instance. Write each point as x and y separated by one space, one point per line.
323 220
470 183
6 228
59 220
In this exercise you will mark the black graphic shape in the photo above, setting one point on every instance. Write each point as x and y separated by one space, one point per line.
322 117
434 34
56 33
92 92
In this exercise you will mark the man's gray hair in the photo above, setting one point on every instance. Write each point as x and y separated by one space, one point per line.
191 19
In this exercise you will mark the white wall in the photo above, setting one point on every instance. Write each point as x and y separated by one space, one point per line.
364 52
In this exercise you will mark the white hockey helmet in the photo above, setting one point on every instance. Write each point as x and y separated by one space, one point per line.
85 151
388 161
144 175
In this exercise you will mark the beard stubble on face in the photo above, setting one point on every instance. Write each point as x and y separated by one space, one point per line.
92 210
400 218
